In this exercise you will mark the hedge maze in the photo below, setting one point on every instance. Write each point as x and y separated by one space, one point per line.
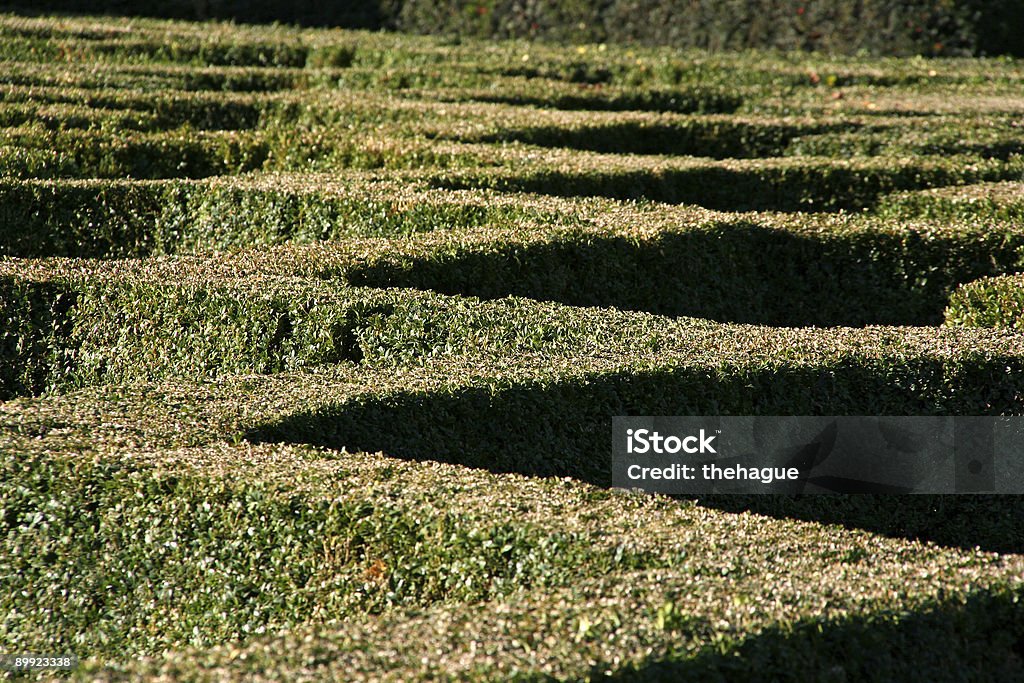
311 341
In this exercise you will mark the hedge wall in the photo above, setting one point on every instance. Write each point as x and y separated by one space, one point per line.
932 27
348 13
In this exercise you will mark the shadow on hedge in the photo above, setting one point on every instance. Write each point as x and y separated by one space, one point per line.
714 139
732 272
564 429
326 13
981 638
679 100
36 335
790 187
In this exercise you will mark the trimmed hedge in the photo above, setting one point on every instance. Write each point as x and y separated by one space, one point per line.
226 543
99 154
61 334
956 637
152 88
790 184
218 440
496 374
159 79
65 330
159 554
739 137
780 272
938 27
116 218
719 137
691 100
990 202
990 138
182 153
34 344
109 556
796 270
988 302
548 425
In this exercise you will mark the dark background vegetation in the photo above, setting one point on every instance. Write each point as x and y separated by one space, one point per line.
901 27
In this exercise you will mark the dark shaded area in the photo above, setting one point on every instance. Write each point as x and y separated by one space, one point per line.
371 14
35 335
735 272
694 100
995 523
715 139
564 429
790 187
907 27
980 639
81 154
38 220
1000 24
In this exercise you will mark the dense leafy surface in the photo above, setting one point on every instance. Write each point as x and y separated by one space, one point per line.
888 27
310 343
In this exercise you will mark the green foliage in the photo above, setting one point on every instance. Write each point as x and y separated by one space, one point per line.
61 337
878 27
106 557
188 154
862 273
777 185
309 340
97 155
119 218
373 14
988 302
34 344
929 27
993 203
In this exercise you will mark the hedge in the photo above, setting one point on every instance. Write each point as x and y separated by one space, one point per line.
988 302
792 273
116 218
284 536
235 444
719 137
181 153
468 404
773 184
784 270
932 27
241 543
959 636
98 551
49 343
995 202
120 87
64 330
